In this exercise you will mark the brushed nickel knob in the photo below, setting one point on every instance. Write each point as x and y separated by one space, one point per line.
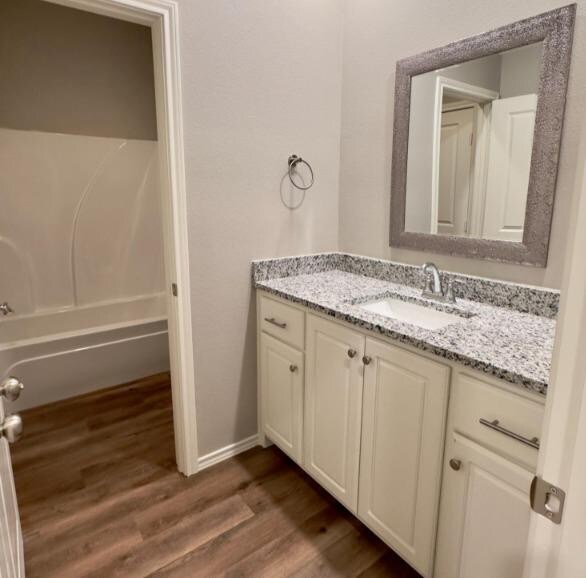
10 388
455 464
292 368
351 353
366 359
11 428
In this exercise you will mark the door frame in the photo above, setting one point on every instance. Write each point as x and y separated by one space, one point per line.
476 123
162 17
471 93
558 550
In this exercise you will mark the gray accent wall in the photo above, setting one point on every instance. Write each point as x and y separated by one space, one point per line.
69 71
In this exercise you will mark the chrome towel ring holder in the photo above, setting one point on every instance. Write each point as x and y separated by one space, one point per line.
293 161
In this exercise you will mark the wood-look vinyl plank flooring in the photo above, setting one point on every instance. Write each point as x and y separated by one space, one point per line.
100 496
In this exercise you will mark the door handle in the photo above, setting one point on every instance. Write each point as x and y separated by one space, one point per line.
11 388
11 428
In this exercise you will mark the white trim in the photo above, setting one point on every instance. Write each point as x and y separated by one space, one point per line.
474 93
227 452
481 150
162 16
451 106
479 96
553 550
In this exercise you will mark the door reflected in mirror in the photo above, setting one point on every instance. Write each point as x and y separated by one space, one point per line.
470 143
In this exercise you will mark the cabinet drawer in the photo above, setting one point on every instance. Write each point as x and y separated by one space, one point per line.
282 321
474 400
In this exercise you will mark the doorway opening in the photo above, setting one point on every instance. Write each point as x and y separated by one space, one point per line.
482 144
99 270
98 288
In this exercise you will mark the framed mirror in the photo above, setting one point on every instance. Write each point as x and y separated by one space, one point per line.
476 140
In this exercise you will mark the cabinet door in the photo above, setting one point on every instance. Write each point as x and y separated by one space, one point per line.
281 378
333 405
484 516
403 424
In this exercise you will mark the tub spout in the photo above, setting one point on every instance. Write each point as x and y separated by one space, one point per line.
5 309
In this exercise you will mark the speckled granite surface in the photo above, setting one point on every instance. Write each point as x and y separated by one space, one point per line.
504 342
523 298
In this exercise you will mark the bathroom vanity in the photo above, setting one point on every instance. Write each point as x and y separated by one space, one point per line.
426 427
420 413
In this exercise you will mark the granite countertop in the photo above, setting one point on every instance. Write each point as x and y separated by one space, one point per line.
504 342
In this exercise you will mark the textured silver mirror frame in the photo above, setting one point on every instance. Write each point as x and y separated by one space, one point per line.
555 29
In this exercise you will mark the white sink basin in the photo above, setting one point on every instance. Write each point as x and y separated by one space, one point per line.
412 313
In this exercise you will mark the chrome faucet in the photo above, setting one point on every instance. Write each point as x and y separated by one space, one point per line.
433 285
5 309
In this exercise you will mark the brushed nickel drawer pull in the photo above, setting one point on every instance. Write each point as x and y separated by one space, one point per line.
273 321
495 425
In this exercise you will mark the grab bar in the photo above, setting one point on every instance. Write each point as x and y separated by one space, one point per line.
273 321
495 425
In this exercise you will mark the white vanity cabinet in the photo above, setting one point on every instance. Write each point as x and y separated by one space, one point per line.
333 407
403 424
406 442
371 415
374 433
281 382
484 514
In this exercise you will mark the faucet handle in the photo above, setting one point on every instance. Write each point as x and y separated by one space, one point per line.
449 293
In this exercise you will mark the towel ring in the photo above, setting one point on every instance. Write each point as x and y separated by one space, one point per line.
293 161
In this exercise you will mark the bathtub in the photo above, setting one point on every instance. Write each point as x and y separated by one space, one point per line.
63 353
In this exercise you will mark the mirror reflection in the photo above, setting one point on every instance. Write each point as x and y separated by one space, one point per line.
470 142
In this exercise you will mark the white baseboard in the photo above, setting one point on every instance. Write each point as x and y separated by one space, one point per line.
226 452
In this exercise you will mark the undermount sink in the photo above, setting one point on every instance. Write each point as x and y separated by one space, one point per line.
408 312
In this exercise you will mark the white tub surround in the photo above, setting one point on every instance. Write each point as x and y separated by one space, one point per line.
82 249
77 350
80 220
46 325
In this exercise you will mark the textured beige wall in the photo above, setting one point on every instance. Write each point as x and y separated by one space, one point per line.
261 80
377 33
69 71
